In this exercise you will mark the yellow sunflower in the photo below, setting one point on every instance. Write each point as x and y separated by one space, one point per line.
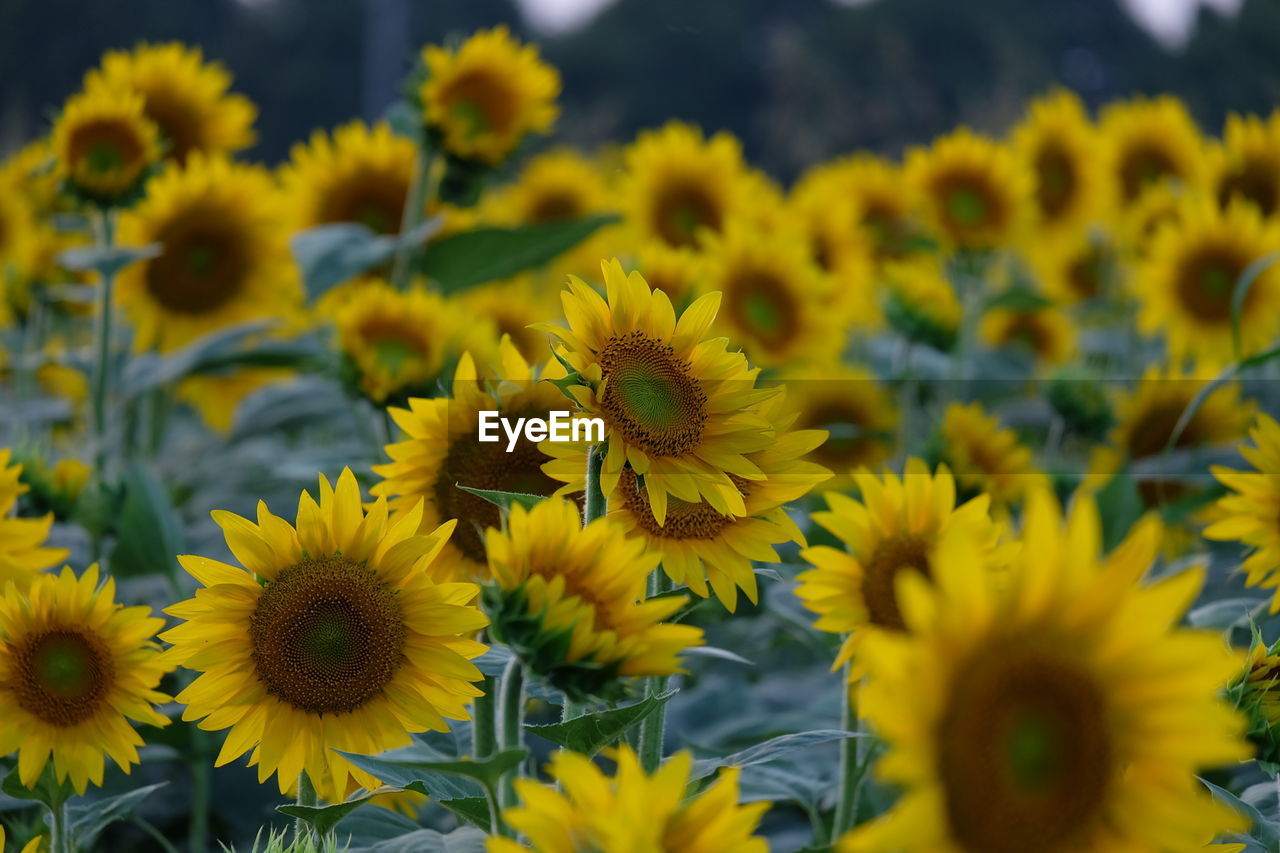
18 242
340 634
225 252
987 458
75 668
1060 146
509 309
483 98
920 302
31 170
22 550
630 812
396 340
873 191
185 96
1248 513
1076 267
899 525
360 173
1149 141
441 450
1189 277
1055 708
32 846
216 397
975 194
677 407
1157 206
570 600
1247 163
104 143
1046 332
678 183
775 302
677 271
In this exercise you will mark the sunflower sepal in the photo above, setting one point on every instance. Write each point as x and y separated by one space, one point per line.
505 500
47 790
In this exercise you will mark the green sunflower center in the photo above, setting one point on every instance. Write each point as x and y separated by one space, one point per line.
327 635
1056 181
1207 280
204 263
895 554
967 206
104 156
106 149
761 303
479 103
62 676
649 396
681 209
684 520
1025 755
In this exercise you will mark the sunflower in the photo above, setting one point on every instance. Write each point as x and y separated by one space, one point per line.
441 451
677 407
509 309
1247 163
1073 268
678 183
1060 146
1046 332
987 458
1055 708
32 846
1188 280
920 303
775 302
31 171
22 550
395 340
339 634
484 97
1249 511
104 143
225 252
18 236
570 601
75 667
359 174
1150 141
216 397
850 404
185 96
900 525
871 190
975 194
630 812
677 271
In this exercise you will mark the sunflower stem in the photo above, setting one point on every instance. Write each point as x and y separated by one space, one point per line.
102 367
306 797
653 729
483 723
851 761
511 733
415 204
59 828
595 505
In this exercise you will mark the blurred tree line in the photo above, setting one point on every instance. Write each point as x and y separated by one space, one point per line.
797 80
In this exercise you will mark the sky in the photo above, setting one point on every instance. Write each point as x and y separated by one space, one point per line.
1170 21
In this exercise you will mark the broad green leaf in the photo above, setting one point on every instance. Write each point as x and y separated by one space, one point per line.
474 257
47 790
591 733
369 825
106 261
506 500
424 776
1120 506
1263 829
1018 299
88 819
151 370
1225 613
149 534
465 839
770 750
719 653
328 255
474 810
325 818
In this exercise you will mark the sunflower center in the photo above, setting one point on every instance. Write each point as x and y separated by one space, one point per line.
761 303
203 265
966 206
684 520
178 121
103 147
904 551
1254 181
480 103
373 199
1207 280
848 443
649 396
62 676
889 229
393 345
1056 181
327 635
487 465
1143 165
555 207
682 208
1024 753
1086 273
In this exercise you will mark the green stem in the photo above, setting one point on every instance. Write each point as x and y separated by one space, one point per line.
851 761
595 505
156 835
59 829
414 208
483 722
102 367
654 727
511 730
306 797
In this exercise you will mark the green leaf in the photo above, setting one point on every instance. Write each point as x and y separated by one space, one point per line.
106 261
1120 506
328 255
474 810
1018 299
151 370
47 790
425 776
465 839
719 653
474 257
87 820
1241 292
770 750
1264 830
505 500
591 733
325 818
1225 613
1228 373
148 533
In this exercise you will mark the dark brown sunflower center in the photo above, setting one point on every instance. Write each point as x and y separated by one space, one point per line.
481 102
890 230
760 302
327 635
1207 279
1029 331
649 396
555 207
684 520
904 551
374 199
1056 181
63 675
203 265
849 443
1144 164
682 208
1086 273
393 343
179 123
102 147
1254 180
1024 753
487 465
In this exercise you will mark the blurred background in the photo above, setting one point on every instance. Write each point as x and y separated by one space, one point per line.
796 80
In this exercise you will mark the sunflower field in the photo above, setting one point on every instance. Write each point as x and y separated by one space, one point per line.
934 504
